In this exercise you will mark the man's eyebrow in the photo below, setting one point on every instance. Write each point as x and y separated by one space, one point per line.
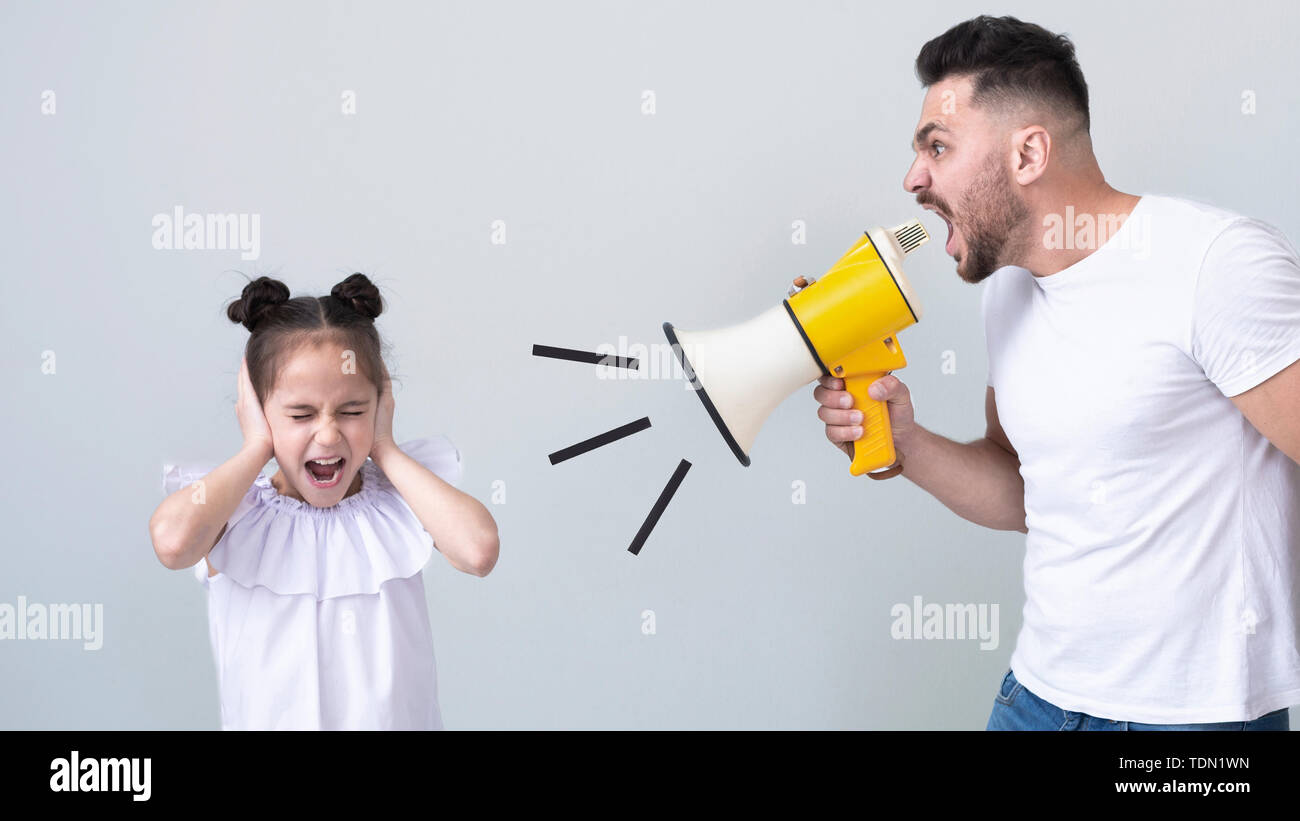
305 406
925 130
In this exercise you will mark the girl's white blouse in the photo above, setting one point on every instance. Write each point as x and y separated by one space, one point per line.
317 616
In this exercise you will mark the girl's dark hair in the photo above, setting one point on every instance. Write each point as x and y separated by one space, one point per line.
1012 61
280 325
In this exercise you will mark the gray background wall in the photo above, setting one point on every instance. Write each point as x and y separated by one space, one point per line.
769 614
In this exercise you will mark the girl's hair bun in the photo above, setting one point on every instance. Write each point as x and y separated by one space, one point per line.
260 299
362 295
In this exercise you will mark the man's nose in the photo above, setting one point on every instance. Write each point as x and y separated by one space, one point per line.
917 178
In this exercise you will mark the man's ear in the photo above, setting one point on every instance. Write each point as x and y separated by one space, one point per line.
1033 148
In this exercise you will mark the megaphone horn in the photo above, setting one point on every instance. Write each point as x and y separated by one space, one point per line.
843 324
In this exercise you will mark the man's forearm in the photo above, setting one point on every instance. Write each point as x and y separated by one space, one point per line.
979 481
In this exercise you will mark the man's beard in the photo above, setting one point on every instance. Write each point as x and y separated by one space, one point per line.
992 217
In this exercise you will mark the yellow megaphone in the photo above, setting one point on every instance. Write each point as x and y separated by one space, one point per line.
844 324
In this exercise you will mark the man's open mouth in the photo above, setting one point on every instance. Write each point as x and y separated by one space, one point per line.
948 246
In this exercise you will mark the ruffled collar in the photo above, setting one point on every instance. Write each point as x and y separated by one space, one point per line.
291 547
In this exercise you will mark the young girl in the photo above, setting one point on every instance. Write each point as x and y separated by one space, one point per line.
316 607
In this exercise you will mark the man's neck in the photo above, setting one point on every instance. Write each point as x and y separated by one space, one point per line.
1058 234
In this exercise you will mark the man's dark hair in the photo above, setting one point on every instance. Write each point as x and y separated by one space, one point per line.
1012 62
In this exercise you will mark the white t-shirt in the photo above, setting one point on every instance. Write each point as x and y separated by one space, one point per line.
1162 564
317 617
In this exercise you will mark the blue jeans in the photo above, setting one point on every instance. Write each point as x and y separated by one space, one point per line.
1015 708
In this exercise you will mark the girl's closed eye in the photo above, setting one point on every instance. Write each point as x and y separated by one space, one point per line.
345 413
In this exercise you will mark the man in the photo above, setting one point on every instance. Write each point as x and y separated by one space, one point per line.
1143 406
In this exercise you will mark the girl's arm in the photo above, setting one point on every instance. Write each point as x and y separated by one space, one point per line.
189 522
461 527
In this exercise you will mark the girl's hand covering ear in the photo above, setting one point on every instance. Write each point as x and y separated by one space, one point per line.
257 433
384 415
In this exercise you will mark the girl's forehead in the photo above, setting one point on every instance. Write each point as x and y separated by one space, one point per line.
315 350
332 383
304 396
319 362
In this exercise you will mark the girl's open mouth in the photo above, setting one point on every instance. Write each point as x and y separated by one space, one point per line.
326 474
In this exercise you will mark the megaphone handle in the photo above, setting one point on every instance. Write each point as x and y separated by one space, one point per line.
875 449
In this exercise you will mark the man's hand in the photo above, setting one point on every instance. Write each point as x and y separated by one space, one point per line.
844 422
